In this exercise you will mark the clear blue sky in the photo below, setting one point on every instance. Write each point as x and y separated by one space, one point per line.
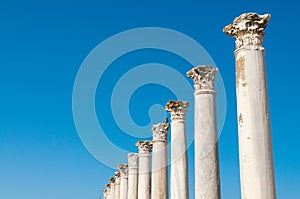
42 45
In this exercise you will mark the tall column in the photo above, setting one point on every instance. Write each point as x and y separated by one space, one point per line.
107 191
112 188
179 164
124 180
144 180
117 184
207 171
255 145
132 176
159 181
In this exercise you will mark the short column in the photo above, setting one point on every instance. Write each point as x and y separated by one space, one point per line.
124 180
144 180
159 180
207 171
255 143
132 176
179 164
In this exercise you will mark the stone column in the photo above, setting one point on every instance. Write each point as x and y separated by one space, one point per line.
107 191
207 171
124 181
179 164
132 176
104 193
112 188
159 181
255 145
144 180
117 185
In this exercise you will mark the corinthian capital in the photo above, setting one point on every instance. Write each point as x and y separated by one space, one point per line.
160 131
144 146
177 109
112 180
107 186
248 29
204 77
123 170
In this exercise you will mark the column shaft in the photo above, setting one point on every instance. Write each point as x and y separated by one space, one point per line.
132 176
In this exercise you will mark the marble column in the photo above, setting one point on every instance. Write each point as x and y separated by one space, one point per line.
104 193
112 188
207 171
132 176
159 180
144 179
107 191
124 180
179 164
255 145
117 184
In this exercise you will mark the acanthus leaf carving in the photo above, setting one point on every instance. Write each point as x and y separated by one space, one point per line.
248 29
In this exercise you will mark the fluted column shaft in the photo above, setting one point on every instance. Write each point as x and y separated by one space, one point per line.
144 177
207 172
132 176
159 181
179 164
255 145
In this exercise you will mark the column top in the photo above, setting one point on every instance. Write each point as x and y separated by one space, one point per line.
144 146
123 170
204 77
177 109
112 179
132 160
160 131
107 186
248 29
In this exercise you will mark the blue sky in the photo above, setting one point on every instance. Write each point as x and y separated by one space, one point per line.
42 46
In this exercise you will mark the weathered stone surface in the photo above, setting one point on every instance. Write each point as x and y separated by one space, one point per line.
159 182
204 77
123 168
179 164
132 175
248 29
144 177
177 109
255 145
207 172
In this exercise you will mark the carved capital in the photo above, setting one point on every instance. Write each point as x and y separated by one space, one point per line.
177 109
112 182
123 170
117 176
248 29
204 77
160 131
107 187
132 160
144 146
